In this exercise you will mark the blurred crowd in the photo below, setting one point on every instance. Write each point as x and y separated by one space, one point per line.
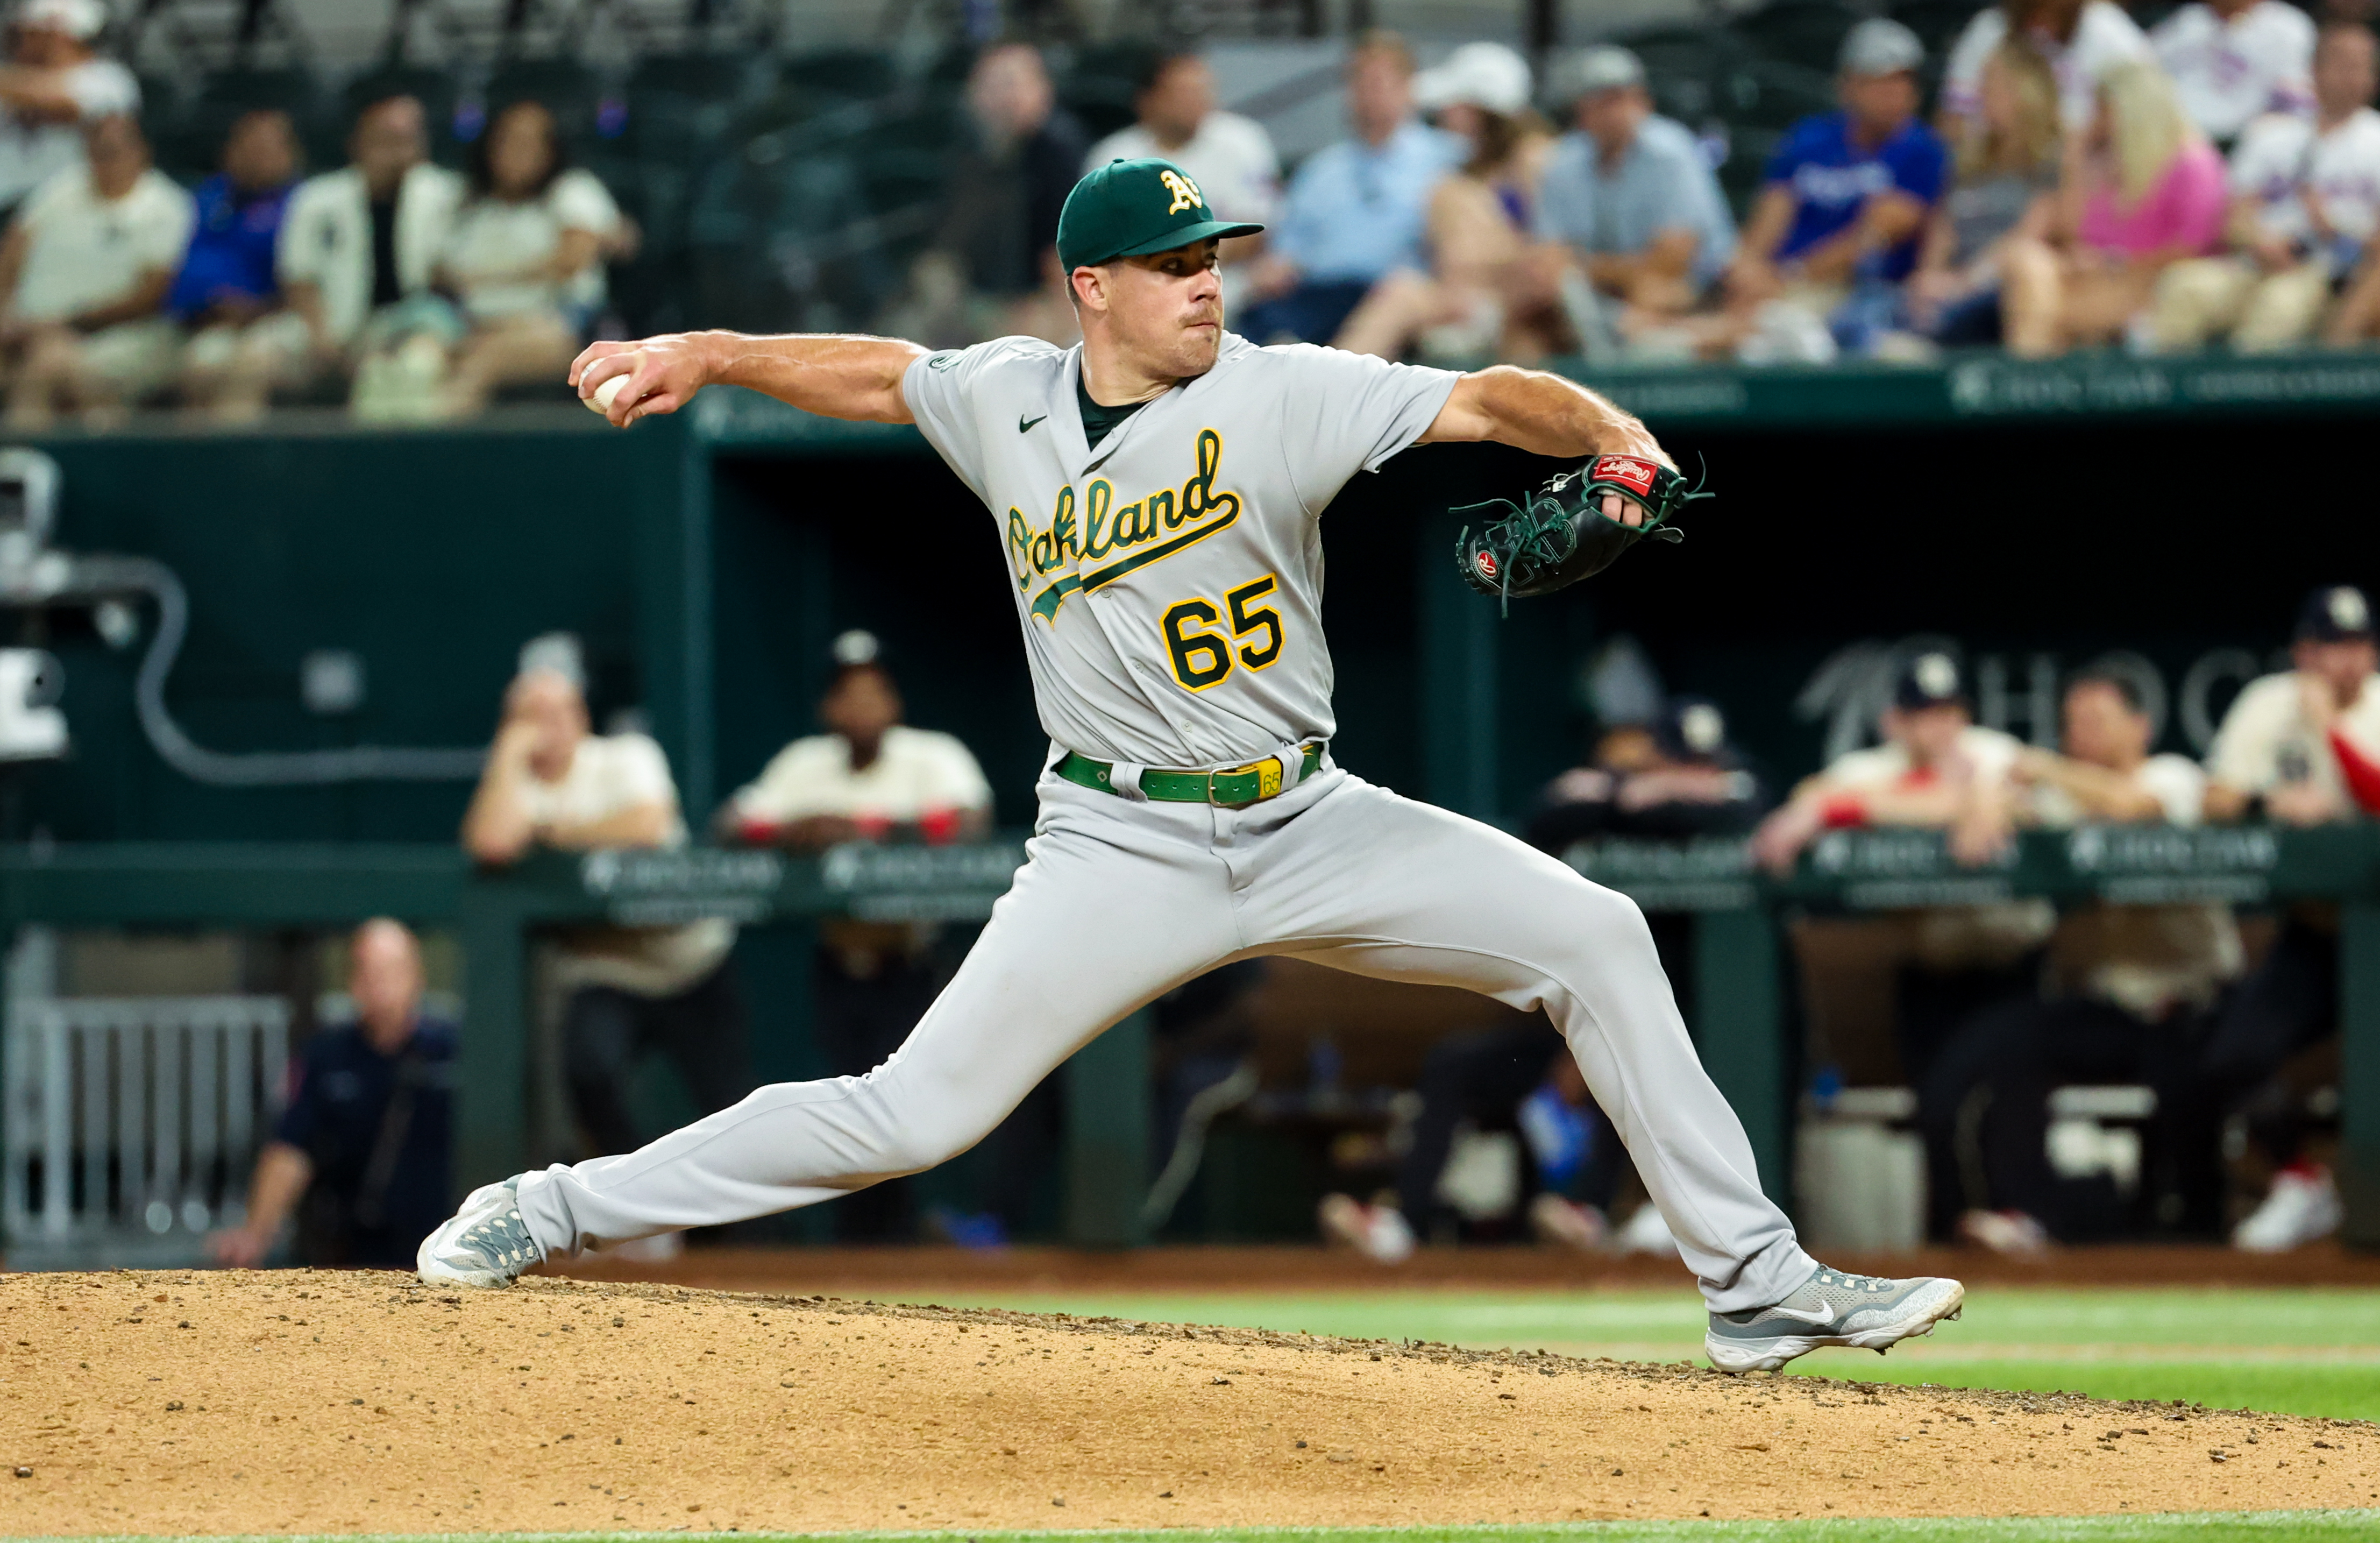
2228 1024
2080 181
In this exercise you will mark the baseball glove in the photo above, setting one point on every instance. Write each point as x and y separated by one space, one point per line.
1561 534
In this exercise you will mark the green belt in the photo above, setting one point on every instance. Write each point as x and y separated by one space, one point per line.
1241 785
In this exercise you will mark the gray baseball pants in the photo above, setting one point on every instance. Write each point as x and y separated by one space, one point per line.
1121 902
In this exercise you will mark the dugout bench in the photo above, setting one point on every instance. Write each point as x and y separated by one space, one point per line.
1738 980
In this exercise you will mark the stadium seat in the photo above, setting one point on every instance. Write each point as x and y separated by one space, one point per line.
1099 89
852 73
681 106
1683 67
775 240
1804 32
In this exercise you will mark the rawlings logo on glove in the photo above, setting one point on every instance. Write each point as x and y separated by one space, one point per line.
1559 534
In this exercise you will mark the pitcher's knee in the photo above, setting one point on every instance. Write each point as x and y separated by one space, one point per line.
1607 922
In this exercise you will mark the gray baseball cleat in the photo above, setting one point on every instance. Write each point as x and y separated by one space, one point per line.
1865 1312
484 1243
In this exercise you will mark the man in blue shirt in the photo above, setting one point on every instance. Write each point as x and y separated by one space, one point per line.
1848 191
243 341
1628 199
367 1138
1354 212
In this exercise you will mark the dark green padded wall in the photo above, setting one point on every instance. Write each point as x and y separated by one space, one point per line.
434 556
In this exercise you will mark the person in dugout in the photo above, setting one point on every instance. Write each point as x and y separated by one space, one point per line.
362 1155
869 777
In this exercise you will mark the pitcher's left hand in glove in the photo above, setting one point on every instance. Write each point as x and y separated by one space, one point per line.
1560 533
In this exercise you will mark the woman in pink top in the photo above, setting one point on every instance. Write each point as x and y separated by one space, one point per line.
2142 189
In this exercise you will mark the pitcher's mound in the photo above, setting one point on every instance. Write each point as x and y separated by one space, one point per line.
322 1401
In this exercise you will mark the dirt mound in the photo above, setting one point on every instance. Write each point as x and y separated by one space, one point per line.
317 1402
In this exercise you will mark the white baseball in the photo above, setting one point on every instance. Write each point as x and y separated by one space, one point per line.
605 395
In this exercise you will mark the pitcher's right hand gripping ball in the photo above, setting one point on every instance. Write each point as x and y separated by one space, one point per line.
1561 535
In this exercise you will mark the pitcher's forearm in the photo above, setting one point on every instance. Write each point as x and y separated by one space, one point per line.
832 374
1543 413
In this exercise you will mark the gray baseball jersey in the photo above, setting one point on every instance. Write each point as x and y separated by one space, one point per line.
1170 581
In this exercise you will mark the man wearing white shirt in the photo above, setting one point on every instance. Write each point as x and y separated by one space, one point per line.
84 271
551 783
1934 768
2079 39
2305 197
2233 61
1231 157
53 87
2125 987
2305 745
869 777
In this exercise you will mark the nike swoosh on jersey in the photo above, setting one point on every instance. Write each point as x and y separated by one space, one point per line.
1819 1319
1025 424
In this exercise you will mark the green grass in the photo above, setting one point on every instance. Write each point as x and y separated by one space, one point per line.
2287 1526
2298 1352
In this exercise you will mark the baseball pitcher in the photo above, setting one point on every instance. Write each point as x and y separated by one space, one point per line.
1157 494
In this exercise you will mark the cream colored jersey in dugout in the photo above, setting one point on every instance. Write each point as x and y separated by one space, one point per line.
1168 581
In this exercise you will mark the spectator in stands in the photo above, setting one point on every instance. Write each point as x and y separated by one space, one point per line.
2080 38
85 268
367 1142
2008 163
54 86
1006 188
1358 210
1937 767
2305 197
1230 157
1835 226
2302 748
1628 206
361 244
549 782
1469 307
2141 190
1675 777
869 777
2128 987
243 339
525 257
2233 61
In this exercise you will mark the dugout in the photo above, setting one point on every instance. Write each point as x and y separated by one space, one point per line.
2041 514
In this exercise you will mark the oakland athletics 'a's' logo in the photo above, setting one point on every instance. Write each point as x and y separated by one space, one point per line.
1185 193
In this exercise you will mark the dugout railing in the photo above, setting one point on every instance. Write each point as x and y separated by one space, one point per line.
1741 1023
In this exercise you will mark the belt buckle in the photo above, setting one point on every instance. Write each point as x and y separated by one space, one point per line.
1268 772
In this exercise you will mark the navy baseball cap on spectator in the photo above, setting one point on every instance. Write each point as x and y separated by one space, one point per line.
2335 613
1692 728
1931 679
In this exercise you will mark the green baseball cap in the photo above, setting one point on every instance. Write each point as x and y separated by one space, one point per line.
1133 208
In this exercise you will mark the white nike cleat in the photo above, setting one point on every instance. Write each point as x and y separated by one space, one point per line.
1863 1312
484 1243
2301 1208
